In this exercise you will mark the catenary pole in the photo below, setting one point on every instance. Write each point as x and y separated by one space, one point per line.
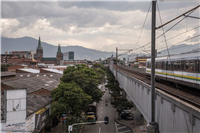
153 33
116 63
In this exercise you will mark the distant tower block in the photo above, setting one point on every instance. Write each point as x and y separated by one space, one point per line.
71 55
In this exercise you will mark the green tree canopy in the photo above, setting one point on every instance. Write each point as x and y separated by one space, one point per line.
86 78
69 98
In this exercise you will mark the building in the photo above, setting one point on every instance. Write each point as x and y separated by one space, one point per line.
68 55
23 54
71 55
48 60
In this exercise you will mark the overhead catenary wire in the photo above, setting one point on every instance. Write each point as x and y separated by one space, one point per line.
191 11
143 26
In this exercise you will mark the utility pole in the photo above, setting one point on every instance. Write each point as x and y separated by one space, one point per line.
152 126
116 63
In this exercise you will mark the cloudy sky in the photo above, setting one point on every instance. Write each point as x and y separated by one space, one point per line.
96 25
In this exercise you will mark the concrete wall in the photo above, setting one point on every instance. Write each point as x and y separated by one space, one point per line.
3 127
172 115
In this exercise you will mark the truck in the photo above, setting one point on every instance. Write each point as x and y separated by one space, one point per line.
91 112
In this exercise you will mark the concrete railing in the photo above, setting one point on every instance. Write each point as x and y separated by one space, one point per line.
172 114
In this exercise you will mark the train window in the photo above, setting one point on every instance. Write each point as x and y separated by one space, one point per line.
164 66
156 65
178 65
167 67
172 65
175 65
182 65
197 68
187 66
191 66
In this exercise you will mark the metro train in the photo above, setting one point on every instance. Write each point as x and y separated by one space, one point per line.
183 68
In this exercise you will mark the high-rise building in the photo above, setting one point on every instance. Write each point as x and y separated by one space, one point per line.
68 55
71 55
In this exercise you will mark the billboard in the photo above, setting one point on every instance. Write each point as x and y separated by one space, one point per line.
15 110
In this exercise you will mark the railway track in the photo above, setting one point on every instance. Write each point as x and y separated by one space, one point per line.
189 96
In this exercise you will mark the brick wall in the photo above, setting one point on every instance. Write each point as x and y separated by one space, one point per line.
3 87
41 92
14 67
20 71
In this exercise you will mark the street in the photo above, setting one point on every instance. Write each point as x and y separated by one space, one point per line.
103 111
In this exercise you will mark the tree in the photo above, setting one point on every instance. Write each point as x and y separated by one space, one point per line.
86 78
69 98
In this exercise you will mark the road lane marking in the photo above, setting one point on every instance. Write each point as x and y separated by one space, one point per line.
99 129
116 127
121 127
101 111
100 116
125 131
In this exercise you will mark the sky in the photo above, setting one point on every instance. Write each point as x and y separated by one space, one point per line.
98 25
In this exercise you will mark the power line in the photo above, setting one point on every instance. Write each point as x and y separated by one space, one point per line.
143 26
183 41
167 30
179 34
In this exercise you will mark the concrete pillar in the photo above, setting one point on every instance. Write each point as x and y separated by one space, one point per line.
138 119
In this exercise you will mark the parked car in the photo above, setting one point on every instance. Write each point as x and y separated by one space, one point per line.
110 91
127 116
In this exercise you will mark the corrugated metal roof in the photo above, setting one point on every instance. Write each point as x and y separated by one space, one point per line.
54 70
33 83
7 74
31 70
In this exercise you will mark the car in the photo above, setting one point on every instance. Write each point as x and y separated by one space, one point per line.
127 116
110 91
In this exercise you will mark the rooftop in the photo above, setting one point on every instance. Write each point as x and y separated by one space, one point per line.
33 83
3 74
54 70
31 70
49 59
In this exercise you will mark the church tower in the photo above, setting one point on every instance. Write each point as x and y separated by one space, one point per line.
39 52
59 55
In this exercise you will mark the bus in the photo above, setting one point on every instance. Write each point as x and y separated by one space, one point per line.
91 112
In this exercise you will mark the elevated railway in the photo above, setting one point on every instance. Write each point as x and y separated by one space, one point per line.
185 93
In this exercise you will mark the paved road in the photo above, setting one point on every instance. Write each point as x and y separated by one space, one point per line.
122 128
103 111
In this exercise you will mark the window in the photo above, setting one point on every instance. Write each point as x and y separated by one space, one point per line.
182 65
169 65
187 66
178 65
191 68
156 65
165 65
175 65
197 68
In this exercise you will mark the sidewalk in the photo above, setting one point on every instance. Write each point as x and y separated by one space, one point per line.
130 124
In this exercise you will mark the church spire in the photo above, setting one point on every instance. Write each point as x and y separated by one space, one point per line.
59 49
39 44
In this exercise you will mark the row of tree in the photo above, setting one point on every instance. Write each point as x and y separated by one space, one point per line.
118 101
77 89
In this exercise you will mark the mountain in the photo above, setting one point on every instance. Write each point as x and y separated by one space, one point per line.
28 43
182 48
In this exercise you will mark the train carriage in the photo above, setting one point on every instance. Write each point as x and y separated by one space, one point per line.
182 68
